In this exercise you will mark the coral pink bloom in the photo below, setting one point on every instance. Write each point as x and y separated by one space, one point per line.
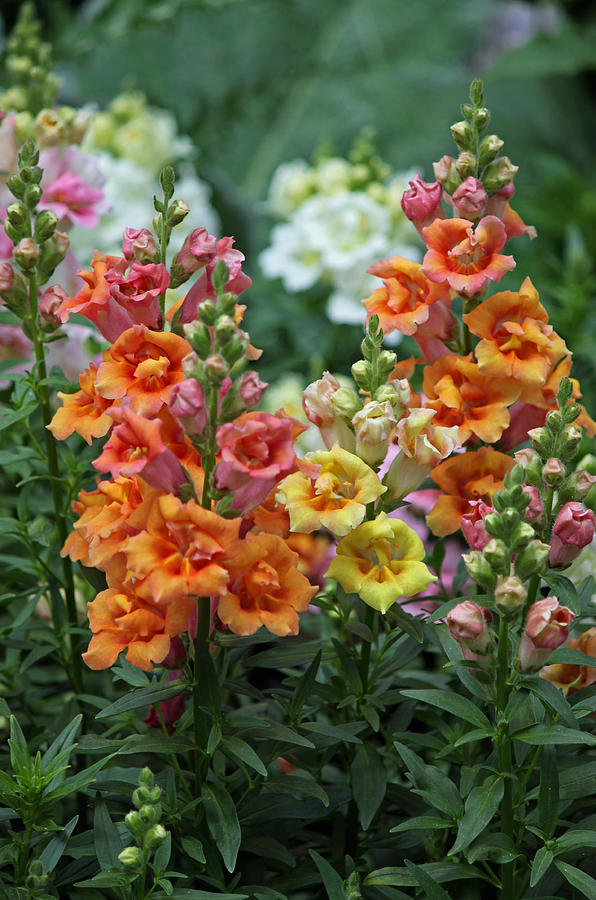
405 301
138 244
71 184
469 625
547 627
187 403
467 258
135 447
421 202
138 292
95 301
573 530
237 281
470 198
256 452
199 249
472 525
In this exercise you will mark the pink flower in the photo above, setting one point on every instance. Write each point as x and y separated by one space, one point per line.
138 292
203 288
472 525
523 417
433 333
442 167
256 452
470 198
469 626
547 627
318 408
535 508
198 249
71 185
52 298
138 244
573 530
187 403
252 389
421 203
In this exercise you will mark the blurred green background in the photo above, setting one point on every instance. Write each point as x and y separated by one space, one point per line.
259 82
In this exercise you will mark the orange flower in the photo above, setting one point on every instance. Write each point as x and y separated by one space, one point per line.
465 257
403 303
265 588
545 396
517 341
144 366
125 617
183 551
463 396
571 678
474 475
83 412
95 301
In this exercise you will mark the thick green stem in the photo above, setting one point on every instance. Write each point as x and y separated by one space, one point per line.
43 394
504 756
201 725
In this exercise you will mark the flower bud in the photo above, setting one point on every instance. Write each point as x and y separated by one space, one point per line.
489 149
481 117
542 441
510 596
190 365
150 813
45 225
496 554
573 530
199 337
32 195
16 186
198 249
499 173
535 509
138 244
131 857
216 368
570 440
177 212
52 298
207 312
553 472
532 559
386 362
469 626
577 486
252 389
154 837
446 174
187 403
346 403
547 627
470 198
531 464
13 290
373 425
133 822
510 518
466 164
26 254
554 420
53 252
521 536
399 394
224 328
236 347
16 214
493 523
462 134
146 775
421 203
473 527
361 373
140 796
479 569
49 128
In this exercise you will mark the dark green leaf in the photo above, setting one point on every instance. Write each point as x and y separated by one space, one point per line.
61 747
209 682
105 836
305 684
222 822
193 848
548 797
20 760
142 698
580 880
297 786
574 839
421 823
78 781
369 782
454 704
496 847
431 888
348 667
155 742
430 783
442 872
553 734
407 623
162 854
568 656
332 882
266 847
564 590
50 857
340 734
575 782
481 805
239 749
540 865
553 698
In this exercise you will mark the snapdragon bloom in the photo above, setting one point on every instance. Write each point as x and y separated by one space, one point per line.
71 185
421 202
469 625
422 446
203 288
138 291
95 301
570 677
405 300
464 257
573 530
83 411
546 628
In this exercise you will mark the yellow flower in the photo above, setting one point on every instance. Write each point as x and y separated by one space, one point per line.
381 561
331 491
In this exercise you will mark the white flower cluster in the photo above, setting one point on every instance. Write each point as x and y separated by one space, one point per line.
337 219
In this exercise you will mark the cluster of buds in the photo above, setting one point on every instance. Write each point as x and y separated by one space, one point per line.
29 65
36 878
51 127
554 445
143 823
38 246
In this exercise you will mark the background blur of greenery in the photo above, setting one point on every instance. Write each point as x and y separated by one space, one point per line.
259 82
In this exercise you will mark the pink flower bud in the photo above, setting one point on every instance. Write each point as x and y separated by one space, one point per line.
187 403
573 530
6 276
139 245
48 305
469 626
442 168
198 249
252 389
470 198
421 203
547 627
535 509
472 525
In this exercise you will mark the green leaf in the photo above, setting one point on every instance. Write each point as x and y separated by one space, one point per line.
369 782
266 847
105 836
155 742
540 865
340 734
332 882
548 797
222 822
144 697
273 731
193 848
431 888
578 879
238 749
209 682
297 786
442 872
564 590
481 805
304 687
568 656
574 839
50 857
61 748
553 734
419 823
20 759
348 667
431 784
554 698
496 847
407 623
575 782
17 415
78 781
454 704
190 894
162 854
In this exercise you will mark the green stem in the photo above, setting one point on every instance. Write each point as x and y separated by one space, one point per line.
369 615
201 727
504 755
43 395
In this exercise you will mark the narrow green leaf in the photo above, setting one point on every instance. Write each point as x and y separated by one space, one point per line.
452 703
340 734
64 742
266 847
430 783
540 865
575 781
305 684
496 847
214 739
105 836
407 623
548 797
144 697
481 805
538 735
552 697
369 782
162 854
568 656
273 731
419 823
20 759
240 750
222 822
564 590
209 682
578 879
348 667
193 848
442 872
332 882
431 888
574 839
78 781
50 857
298 787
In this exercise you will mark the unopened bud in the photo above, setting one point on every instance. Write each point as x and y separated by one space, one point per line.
577 486
190 364
146 775
570 441
155 837
479 569
462 134
225 327
386 362
466 164
32 195
140 796
498 174
346 403
493 524
361 372
481 117
571 412
216 368
198 336
177 212
134 823
167 179
496 554
53 252
49 304
236 347
554 420
131 857
45 225
521 536
149 813
510 518
553 472
490 147
510 596
532 559
207 312
49 128
541 441
16 214
26 253
16 186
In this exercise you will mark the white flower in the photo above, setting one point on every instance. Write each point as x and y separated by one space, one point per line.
348 229
292 256
151 140
333 175
290 186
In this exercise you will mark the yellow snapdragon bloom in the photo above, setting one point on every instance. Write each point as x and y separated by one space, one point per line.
381 561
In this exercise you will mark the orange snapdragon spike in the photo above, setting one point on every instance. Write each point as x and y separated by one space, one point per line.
463 396
465 257
83 412
516 339
403 303
122 618
571 678
474 475
142 365
183 551
265 588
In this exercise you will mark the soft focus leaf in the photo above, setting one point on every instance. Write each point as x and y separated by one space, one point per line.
454 704
548 797
481 805
369 782
580 880
222 822
333 884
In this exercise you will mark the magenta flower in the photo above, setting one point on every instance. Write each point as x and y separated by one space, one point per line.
71 185
138 291
573 530
421 203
